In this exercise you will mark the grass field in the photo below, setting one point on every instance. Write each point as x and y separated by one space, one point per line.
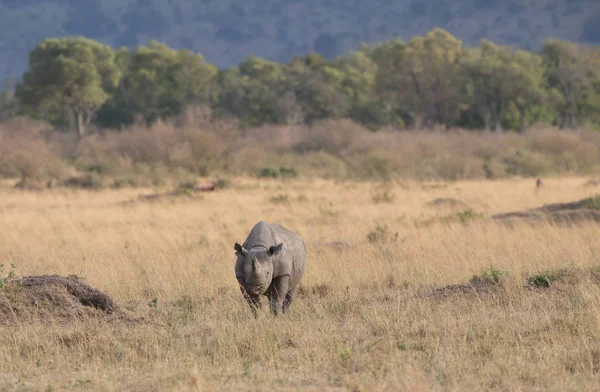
368 317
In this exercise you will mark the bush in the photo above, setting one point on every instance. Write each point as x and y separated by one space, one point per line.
91 181
542 280
166 154
494 275
276 172
272 172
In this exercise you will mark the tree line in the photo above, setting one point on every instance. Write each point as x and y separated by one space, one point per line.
433 80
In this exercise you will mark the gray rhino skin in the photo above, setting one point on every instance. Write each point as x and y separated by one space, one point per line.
270 262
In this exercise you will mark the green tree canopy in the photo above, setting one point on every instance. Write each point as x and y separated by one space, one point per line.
254 92
571 71
71 73
422 77
498 79
160 81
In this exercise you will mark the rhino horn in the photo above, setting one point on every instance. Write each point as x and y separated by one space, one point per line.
240 250
274 250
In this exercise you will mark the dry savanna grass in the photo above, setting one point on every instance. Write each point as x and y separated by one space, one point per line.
370 315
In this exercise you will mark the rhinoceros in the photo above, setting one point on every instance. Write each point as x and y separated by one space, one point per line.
270 262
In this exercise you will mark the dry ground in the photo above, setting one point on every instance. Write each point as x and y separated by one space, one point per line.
368 317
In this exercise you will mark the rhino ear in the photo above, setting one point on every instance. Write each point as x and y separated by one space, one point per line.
239 250
275 250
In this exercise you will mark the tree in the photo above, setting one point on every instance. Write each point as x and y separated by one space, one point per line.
359 72
570 70
358 77
317 85
421 78
72 74
497 79
8 102
119 110
160 81
532 97
385 108
256 92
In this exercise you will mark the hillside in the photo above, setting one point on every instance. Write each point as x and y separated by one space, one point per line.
226 32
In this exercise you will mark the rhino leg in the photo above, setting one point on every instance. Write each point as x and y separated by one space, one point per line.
253 301
289 297
280 289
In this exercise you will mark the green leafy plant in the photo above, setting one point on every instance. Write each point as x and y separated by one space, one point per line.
345 354
11 274
185 187
544 279
494 275
276 172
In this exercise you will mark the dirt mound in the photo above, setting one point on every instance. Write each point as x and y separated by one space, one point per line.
52 297
446 202
560 213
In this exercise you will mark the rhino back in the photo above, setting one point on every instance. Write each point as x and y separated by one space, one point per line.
294 253
262 234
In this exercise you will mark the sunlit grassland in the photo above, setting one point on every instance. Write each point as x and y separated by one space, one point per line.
363 320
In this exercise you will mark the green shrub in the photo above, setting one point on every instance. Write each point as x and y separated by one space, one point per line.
542 280
276 172
222 183
494 275
592 203
269 172
185 187
92 181
288 172
123 182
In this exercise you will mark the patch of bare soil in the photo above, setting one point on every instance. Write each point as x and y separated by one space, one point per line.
53 297
447 202
560 213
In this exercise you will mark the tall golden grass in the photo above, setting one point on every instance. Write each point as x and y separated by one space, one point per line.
359 323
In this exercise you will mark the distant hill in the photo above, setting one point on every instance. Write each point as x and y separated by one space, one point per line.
227 31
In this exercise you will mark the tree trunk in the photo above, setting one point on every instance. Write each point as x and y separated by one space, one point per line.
487 119
83 118
79 116
498 126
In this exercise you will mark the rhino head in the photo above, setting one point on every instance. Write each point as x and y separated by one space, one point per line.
258 267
